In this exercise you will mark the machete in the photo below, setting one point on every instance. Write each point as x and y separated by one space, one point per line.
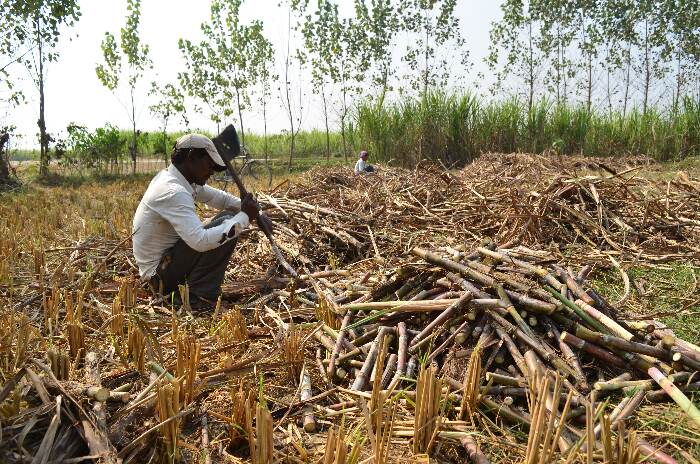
228 147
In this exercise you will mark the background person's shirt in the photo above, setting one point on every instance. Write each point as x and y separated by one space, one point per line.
360 166
167 213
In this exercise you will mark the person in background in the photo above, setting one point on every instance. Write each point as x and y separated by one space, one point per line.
361 166
171 244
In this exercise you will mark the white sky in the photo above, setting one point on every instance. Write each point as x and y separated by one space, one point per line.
74 94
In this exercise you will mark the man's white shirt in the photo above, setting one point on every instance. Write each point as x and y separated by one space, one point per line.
167 213
360 166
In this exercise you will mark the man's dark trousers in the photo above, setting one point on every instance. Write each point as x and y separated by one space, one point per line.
203 271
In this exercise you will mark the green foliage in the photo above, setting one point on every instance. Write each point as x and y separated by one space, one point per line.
455 128
171 102
435 29
616 52
108 73
130 48
96 150
227 63
136 56
29 34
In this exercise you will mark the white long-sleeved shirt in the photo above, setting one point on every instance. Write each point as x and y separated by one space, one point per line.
360 166
167 213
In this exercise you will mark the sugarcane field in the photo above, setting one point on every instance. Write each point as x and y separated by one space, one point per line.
349 231
437 315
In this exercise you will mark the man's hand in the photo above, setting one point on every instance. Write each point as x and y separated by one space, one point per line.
250 206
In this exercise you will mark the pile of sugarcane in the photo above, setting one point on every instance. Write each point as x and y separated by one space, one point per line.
500 327
594 207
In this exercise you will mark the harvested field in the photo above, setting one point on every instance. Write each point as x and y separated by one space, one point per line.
437 313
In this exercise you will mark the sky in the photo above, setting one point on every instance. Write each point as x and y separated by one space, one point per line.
74 94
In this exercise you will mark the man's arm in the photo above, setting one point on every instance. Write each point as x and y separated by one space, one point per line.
178 209
218 199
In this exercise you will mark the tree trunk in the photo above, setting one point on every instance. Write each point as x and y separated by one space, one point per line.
325 117
590 82
286 89
240 115
607 81
679 80
342 125
291 122
531 66
647 70
165 143
265 148
43 138
4 162
133 137
627 79
425 57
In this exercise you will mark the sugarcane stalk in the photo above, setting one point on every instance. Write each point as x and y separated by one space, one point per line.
628 409
402 352
367 337
506 380
505 412
683 358
612 384
321 368
514 352
572 284
506 279
305 394
338 343
658 396
534 366
569 355
667 385
440 319
324 340
504 390
653 452
548 356
613 342
411 367
409 285
611 325
531 268
530 303
611 417
593 350
335 335
437 351
426 294
512 311
389 371
478 328
494 354
640 326
578 311
364 373
466 285
649 384
473 452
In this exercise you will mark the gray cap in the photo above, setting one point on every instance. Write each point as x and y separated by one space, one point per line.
200 141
